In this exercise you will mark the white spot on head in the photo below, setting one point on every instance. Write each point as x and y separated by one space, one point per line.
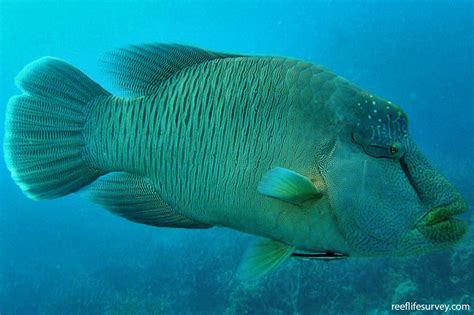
389 102
388 107
370 117
373 103
358 104
366 101
371 96
380 120
375 110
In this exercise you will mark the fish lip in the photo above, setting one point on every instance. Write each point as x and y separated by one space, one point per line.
442 213
440 226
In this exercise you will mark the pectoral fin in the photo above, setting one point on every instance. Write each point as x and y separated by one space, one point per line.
289 186
263 257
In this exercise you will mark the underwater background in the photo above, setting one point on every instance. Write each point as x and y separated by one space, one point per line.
68 256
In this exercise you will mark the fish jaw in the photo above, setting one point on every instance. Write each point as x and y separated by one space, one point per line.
439 225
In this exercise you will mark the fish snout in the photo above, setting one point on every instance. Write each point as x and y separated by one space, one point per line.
439 225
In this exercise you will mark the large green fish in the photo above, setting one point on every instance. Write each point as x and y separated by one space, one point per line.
270 146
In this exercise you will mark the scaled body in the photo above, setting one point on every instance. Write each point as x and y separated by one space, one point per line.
270 146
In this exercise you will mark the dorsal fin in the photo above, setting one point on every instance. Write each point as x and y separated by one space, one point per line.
134 198
140 69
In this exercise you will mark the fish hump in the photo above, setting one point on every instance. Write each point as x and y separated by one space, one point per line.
134 198
141 69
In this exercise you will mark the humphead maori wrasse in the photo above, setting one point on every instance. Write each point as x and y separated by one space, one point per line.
271 146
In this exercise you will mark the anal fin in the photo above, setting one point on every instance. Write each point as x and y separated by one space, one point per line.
134 198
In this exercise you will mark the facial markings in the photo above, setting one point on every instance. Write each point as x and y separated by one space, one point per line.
409 176
381 127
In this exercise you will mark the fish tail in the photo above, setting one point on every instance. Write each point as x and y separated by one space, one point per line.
44 143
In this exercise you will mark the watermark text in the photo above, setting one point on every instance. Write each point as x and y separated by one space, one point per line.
414 306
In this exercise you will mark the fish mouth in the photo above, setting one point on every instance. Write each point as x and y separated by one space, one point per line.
439 225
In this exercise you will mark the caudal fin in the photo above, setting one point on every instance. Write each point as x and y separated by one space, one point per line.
44 148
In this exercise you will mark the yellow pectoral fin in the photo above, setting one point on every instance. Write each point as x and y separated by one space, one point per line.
289 186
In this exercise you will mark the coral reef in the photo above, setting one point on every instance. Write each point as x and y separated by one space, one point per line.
204 283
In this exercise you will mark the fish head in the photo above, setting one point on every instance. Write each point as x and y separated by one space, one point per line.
388 200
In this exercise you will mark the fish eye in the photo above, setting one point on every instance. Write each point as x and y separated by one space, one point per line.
396 150
388 151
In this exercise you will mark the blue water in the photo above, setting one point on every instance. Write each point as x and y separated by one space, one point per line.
68 256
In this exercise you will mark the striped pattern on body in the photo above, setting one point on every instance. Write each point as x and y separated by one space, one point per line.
209 134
